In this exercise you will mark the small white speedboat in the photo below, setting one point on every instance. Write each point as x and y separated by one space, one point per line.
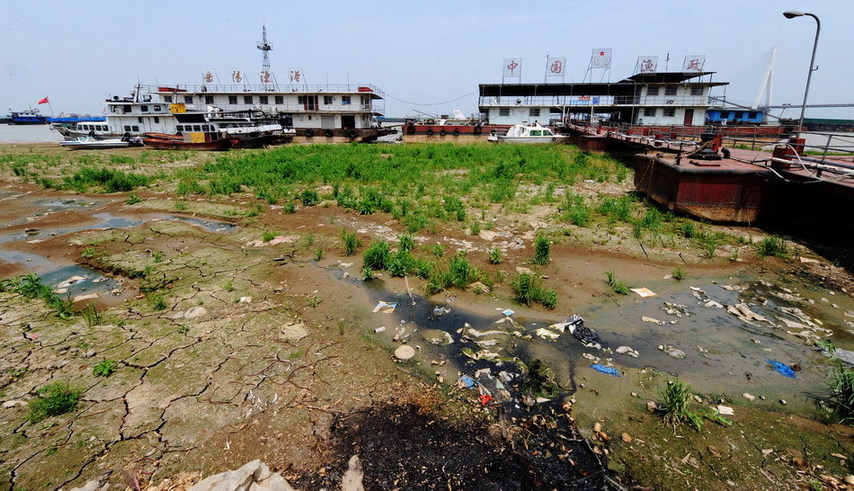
528 133
83 142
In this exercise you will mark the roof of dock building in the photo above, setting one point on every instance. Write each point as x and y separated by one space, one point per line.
627 86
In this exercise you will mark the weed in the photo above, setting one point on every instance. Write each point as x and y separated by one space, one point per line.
368 273
105 368
841 400
542 246
772 246
527 290
377 255
677 397
89 253
313 301
617 286
91 315
678 274
268 236
351 242
318 254
461 272
158 302
496 256
407 242
475 228
309 197
133 199
181 205
438 250
53 400
184 329
31 286
157 255
290 208
229 286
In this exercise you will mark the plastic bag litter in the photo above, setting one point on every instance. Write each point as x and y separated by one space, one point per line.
782 368
606 370
586 335
385 307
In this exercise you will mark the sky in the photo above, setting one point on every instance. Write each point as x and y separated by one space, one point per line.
426 56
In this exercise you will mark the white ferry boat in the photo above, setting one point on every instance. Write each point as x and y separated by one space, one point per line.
311 112
528 133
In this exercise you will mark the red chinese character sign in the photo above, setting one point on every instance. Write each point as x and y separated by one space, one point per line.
646 64
208 76
295 76
555 66
265 77
236 76
512 69
694 63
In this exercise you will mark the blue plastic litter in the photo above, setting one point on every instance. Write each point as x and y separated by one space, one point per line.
470 383
781 368
606 370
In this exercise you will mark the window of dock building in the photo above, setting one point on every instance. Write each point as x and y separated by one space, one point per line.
534 112
135 128
504 111
232 99
649 111
328 99
157 108
139 119
280 99
209 99
670 90
156 119
143 108
652 90
669 111
263 99
167 98
247 99
696 91
188 99
309 102
345 99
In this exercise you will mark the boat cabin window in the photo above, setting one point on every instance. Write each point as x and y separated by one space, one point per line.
263 99
156 119
113 108
232 99
328 99
197 127
135 128
696 91
670 90
652 90
504 111
144 108
125 109
127 128
669 111
167 98
345 100
188 99
209 99
247 99
649 111
280 99
157 108
535 111
548 133
139 119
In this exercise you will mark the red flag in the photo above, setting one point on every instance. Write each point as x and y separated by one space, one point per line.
43 101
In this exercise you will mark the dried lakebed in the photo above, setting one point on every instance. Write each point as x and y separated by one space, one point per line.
262 352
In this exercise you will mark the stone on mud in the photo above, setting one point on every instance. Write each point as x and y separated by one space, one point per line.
293 331
404 352
195 312
255 476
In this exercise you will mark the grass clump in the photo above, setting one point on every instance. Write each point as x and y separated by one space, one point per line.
377 256
617 286
53 400
676 399
496 256
351 242
105 368
30 286
542 250
268 236
841 400
772 246
528 290
678 274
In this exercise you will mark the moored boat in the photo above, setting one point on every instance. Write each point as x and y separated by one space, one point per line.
528 133
28 116
188 141
86 142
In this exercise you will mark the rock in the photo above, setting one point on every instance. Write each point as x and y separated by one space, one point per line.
749 397
195 312
87 296
651 406
293 331
245 300
13 403
254 475
725 410
849 479
597 427
352 479
524 270
783 402
714 450
93 485
404 352
652 320
627 438
800 463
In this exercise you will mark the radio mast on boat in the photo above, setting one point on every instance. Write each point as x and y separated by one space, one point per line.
265 47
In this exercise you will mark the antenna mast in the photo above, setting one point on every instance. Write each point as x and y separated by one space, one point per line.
265 47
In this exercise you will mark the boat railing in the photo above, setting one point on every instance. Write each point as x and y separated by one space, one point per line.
237 88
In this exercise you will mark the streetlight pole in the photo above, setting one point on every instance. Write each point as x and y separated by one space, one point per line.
791 14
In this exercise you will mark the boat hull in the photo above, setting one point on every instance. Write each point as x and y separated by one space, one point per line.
173 144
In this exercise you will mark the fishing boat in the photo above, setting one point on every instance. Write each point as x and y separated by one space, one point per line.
188 141
28 116
528 133
87 142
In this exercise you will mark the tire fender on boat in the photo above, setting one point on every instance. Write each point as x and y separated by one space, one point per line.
309 133
351 133
328 132
429 131
725 152
443 132
456 132
478 130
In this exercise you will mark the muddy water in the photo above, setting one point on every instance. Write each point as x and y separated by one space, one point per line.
724 356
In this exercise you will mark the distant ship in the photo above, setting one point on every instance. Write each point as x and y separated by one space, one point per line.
33 116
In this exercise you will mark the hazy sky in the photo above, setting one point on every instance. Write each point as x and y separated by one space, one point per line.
428 56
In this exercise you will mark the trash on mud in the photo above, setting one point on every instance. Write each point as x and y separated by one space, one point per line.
479 355
379 329
627 350
439 311
725 411
507 312
606 370
74 280
437 337
404 352
672 351
385 307
87 296
466 382
485 399
644 292
676 309
782 368
652 320
743 312
547 333
586 335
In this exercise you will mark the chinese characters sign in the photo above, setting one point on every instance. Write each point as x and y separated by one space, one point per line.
601 58
646 64
694 63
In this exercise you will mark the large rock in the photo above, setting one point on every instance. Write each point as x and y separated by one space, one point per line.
254 476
